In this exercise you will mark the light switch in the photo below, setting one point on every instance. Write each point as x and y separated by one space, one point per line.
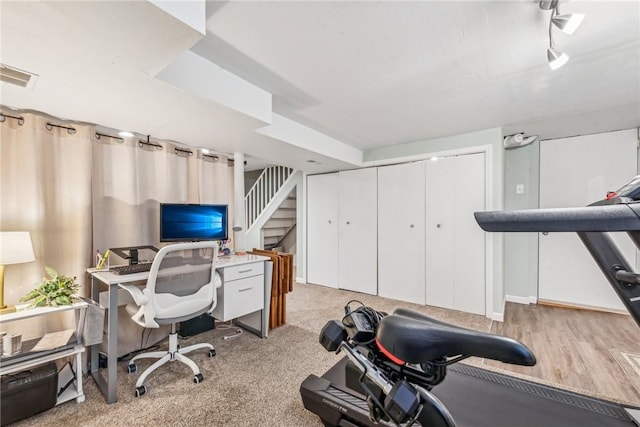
519 188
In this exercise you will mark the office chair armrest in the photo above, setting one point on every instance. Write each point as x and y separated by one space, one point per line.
136 293
217 280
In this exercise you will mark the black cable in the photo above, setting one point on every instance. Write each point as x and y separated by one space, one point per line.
372 316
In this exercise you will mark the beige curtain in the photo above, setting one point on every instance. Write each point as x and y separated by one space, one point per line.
76 193
130 180
45 182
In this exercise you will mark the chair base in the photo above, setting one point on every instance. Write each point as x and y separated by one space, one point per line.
172 354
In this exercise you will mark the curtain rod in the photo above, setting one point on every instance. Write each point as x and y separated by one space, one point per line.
20 119
69 129
117 138
148 142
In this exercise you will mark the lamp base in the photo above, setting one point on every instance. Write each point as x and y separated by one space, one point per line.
5 309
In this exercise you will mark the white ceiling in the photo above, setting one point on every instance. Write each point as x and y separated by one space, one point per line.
337 78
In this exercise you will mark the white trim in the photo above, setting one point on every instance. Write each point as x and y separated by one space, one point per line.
489 237
301 280
497 317
517 299
533 300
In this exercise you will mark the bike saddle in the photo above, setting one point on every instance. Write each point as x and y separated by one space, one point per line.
407 336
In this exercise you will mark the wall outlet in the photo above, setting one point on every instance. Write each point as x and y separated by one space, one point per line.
520 189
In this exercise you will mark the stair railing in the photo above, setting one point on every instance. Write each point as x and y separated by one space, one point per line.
265 188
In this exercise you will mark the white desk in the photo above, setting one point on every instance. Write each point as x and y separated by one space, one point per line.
244 294
28 361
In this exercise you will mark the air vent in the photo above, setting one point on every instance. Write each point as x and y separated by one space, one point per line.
17 77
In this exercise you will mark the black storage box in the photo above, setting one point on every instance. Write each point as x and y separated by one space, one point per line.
27 393
197 325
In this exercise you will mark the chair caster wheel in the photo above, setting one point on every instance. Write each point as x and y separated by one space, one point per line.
212 352
131 368
141 390
198 378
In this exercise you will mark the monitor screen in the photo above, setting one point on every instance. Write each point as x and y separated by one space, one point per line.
183 222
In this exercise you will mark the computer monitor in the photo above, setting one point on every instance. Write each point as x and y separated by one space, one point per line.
189 222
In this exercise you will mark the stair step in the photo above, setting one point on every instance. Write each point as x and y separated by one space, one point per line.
279 223
288 203
277 232
284 213
271 240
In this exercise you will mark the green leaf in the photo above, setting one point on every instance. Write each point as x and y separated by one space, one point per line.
51 272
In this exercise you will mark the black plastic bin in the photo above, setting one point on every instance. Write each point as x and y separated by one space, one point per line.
27 393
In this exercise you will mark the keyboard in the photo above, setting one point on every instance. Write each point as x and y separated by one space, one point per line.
130 269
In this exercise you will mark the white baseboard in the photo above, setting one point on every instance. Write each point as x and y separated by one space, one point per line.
521 300
499 316
300 280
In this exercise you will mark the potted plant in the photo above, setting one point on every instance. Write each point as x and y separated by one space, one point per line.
53 291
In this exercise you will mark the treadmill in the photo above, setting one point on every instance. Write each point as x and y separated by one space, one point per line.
477 397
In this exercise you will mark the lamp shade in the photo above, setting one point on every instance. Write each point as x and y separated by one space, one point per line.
15 247
568 23
556 59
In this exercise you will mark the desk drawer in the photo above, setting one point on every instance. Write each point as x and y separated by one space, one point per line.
241 271
240 297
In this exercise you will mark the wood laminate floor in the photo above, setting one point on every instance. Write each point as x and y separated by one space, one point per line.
578 349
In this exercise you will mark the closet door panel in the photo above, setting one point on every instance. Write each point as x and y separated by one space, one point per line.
401 247
358 241
439 244
468 238
322 229
574 172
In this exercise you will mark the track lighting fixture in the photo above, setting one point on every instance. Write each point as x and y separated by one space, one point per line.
518 140
568 23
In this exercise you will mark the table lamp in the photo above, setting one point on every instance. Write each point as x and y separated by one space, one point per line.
15 248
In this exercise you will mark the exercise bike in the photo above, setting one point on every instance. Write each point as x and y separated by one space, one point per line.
395 361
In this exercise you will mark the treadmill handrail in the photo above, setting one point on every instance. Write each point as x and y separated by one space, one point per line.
618 217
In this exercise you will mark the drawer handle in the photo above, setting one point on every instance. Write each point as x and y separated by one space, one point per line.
245 271
245 289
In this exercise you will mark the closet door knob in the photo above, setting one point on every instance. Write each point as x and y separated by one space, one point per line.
438 226
329 221
411 226
348 222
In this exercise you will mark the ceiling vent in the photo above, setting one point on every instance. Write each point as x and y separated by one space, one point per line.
17 77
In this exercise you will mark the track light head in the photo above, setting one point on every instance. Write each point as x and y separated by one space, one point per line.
556 59
518 140
569 22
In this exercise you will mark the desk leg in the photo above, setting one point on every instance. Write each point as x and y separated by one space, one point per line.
108 387
112 349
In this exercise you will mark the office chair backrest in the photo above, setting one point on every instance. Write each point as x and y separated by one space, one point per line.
181 283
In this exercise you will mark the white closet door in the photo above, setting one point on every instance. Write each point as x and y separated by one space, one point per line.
468 238
358 243
439 225
455 245
322 229
401 250
576 172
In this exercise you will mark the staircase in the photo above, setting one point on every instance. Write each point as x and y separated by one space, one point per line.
270 208
281 223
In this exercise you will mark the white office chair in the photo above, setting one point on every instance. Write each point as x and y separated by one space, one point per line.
181 285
